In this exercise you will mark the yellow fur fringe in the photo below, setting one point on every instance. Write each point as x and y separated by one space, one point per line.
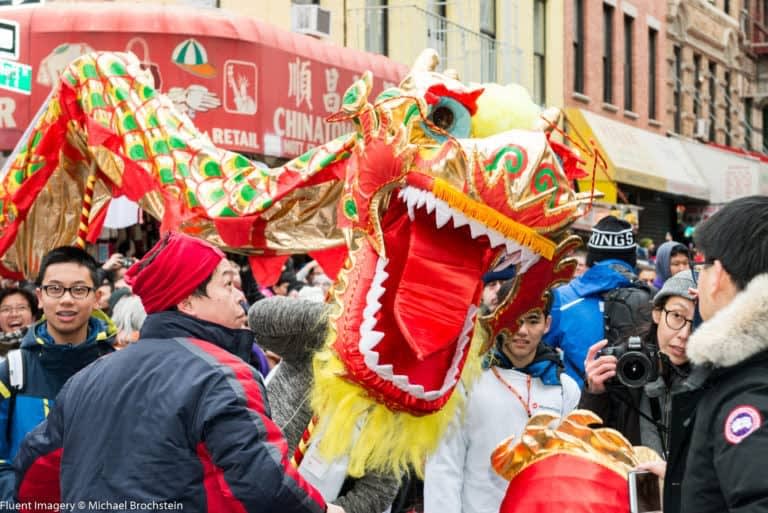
491 218
387 441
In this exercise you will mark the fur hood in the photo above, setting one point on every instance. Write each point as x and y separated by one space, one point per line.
735 333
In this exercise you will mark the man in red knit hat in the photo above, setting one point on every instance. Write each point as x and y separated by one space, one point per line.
182 422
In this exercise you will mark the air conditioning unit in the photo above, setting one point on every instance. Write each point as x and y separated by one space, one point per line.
311 19
701 130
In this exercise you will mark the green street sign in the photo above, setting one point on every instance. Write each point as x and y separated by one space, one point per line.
15 76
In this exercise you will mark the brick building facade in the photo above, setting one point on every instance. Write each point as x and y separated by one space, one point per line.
611 49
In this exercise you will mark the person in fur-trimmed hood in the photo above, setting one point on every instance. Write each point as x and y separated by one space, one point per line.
719 437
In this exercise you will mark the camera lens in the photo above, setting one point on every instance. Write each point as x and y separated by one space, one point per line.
633 369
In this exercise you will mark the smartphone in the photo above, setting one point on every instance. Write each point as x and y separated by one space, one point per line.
644 492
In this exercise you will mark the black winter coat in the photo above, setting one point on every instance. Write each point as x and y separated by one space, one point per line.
721 431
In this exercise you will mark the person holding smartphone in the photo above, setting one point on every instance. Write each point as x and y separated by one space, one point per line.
642 413
718 437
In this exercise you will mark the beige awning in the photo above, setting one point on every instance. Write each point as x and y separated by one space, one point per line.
642 158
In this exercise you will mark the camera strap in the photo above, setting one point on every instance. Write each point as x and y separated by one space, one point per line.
655 412
660 426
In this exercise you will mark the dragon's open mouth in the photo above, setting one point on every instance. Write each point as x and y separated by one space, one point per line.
426 292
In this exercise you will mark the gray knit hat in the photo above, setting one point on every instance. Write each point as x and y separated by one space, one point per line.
677 285
292 328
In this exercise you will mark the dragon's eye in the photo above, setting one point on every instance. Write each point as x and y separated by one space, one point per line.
451 117
443 118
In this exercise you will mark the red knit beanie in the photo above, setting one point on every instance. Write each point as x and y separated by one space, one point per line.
172 270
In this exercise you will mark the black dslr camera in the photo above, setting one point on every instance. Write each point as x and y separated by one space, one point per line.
638 362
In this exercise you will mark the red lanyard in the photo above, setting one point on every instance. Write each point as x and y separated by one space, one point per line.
526 404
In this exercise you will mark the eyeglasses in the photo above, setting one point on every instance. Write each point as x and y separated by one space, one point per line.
675 320
19 309
76 291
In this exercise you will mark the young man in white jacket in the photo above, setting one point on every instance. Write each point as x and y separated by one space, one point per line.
524 376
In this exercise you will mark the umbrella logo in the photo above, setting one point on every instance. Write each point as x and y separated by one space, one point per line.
191 56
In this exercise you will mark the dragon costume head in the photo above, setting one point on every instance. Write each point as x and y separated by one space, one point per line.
439 183
429 208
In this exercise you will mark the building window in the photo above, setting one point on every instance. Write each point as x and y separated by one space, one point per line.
748 124
727 6
712 100
652 42
727 108
437 27
678 89
578 46
539 51
488 40
628 78
376 27
607 53
697 86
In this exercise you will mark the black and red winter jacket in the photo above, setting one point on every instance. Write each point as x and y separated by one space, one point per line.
175 421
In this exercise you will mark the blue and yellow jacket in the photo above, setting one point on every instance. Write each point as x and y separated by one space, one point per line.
47 366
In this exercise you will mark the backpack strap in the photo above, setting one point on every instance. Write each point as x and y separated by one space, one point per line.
16 369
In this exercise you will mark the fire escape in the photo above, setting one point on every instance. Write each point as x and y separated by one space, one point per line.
754 28
402 31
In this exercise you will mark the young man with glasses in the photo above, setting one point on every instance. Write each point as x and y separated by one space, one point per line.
71 335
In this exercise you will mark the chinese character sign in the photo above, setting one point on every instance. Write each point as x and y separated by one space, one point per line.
300 82
331 98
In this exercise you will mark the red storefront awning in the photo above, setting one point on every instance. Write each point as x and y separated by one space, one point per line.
252 87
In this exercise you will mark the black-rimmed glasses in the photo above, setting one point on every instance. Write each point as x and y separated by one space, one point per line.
76 291
675 320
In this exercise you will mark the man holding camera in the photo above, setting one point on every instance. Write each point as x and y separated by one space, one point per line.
577 310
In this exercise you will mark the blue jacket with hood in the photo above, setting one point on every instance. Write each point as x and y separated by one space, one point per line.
47 366
577 313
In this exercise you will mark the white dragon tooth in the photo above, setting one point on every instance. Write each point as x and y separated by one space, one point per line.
476 229
442 216
386 369
374 294
400 380
431 202
459 219
421 199
401 194
496 238
411 211
527 264
370 310
371 340
369 322
371 359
